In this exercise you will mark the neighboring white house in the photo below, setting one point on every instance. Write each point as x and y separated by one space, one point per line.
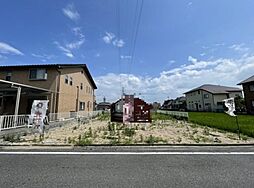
209 97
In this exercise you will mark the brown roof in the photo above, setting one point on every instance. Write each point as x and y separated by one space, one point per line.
250 79
56 65
215 89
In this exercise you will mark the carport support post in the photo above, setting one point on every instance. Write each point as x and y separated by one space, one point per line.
17 105
17 101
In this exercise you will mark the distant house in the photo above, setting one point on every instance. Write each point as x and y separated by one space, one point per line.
178 104
155 106
167 105
209 97
68 87
130 109
103 105
248 89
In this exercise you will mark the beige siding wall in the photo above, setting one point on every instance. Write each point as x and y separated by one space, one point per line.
66 99
68 94
22 76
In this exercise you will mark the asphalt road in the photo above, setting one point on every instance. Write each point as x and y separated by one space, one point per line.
126 170
133 170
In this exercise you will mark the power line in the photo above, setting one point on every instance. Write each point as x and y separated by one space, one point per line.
118 17
132 35
135 32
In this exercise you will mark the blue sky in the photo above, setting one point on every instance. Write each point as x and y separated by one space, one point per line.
180 44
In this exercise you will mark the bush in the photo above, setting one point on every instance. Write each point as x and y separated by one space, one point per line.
130 132
105 116
84 142
11 138
153 139
111 126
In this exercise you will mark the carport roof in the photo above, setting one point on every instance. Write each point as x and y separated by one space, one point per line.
7 85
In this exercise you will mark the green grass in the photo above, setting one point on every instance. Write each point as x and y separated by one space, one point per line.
158 116
224 122
104 116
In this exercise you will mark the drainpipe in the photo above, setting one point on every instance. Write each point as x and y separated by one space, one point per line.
77 100
57 90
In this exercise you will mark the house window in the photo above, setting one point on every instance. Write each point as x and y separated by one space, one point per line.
8 75
206 96
198 92
81 86
81 106
252 87
88 104
71 81
38 74
66 80
82 72
252 102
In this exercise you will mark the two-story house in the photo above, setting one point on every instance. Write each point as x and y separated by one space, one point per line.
68 87
248 89
209 97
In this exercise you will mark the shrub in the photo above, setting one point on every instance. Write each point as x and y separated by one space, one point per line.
153 139
129 132
84 142
11 138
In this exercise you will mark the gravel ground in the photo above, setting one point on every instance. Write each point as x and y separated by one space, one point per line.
160 132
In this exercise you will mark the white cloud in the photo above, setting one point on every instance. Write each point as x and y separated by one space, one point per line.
118 43
172 61
78 32
110 38
125 57
71 12
78 43
239 47
175 82
68 48
8 49
220 44
43 57
190 3
75 44
65 50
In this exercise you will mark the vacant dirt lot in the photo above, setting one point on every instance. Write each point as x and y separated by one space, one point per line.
159 132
